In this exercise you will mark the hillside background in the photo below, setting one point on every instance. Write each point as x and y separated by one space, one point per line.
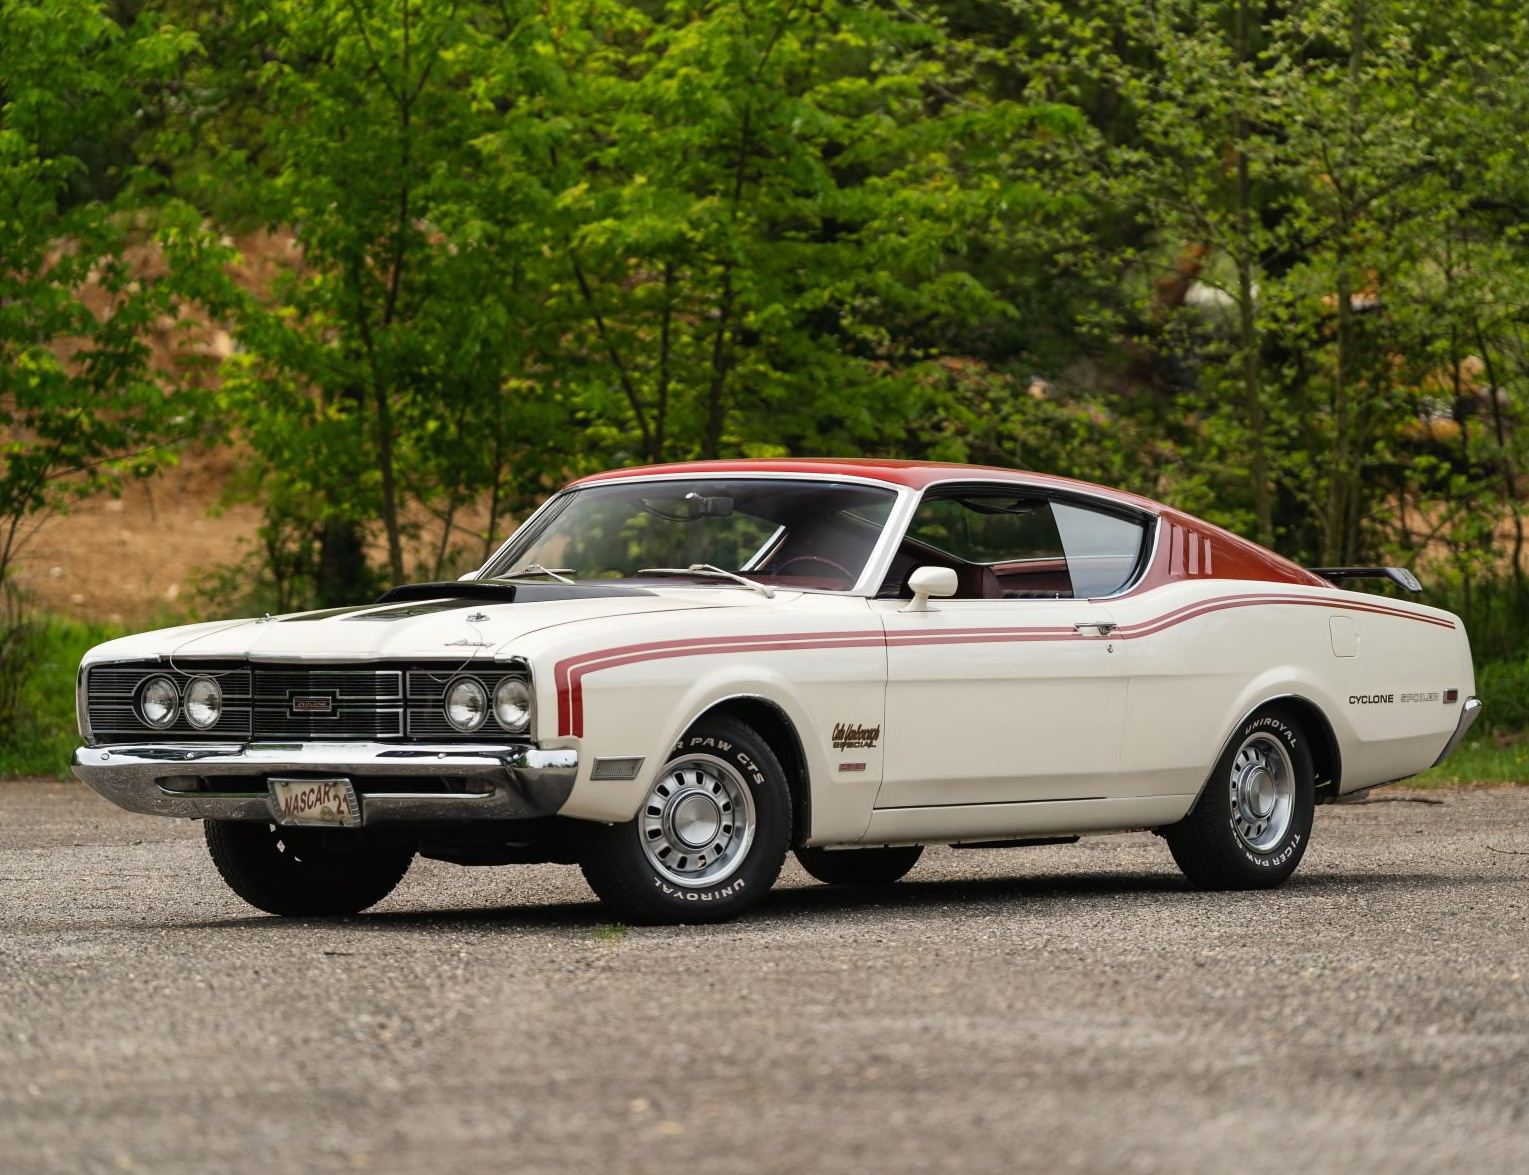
300 299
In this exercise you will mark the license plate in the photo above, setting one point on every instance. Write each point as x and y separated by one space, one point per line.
326 803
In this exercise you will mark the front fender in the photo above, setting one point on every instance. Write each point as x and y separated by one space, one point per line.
642 711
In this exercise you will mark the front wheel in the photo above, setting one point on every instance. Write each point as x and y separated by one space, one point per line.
709 838
306 872
1252 823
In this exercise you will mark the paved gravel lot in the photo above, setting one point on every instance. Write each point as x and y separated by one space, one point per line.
1071 1008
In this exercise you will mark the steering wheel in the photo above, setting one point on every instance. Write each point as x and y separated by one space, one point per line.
780 569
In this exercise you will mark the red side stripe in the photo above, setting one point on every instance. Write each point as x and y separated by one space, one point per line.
569 673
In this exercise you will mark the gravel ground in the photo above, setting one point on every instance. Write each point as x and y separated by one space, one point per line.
1072 1008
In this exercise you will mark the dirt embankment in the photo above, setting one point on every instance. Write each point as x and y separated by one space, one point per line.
133 559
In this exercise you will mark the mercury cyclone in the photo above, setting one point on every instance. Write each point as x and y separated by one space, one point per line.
675 676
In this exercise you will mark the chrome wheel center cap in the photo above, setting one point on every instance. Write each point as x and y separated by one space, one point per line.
1258 789
696 819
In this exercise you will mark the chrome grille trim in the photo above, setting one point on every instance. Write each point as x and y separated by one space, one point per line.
359 698
370 703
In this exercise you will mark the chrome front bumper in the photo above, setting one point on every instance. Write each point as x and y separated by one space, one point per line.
1468 714
505 782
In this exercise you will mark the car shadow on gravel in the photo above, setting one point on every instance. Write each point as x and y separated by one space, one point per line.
1066 890
827 903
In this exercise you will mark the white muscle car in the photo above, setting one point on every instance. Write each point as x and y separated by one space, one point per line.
672 676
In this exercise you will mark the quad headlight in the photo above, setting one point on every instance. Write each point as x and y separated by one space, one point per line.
512 704
466 704
204 702
159 702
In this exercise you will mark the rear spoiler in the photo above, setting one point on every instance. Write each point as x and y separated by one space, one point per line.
1400 576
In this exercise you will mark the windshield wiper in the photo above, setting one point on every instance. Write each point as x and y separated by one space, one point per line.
707 569
557 573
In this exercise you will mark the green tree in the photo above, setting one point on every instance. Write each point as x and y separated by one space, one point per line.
769 217
90 258
395 357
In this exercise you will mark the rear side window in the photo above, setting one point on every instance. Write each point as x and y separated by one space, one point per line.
1102 549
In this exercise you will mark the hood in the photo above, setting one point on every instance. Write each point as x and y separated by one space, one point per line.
447 626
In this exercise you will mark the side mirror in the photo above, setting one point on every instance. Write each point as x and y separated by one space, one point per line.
930 581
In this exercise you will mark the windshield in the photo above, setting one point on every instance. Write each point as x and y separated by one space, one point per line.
783 533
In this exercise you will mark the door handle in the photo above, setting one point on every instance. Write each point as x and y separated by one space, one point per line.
1095 627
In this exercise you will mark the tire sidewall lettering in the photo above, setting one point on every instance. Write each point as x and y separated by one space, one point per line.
1269 723
1274 860
720 893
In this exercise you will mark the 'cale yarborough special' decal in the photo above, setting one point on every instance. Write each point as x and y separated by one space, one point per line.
848 737
1389 699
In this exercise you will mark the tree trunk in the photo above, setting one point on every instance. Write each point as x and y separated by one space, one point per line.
1335 542
716 391
1505 461
342 574
384 421
1341 539
1263 507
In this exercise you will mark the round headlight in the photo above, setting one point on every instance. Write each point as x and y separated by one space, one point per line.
512 704
466 704
204 702
158 702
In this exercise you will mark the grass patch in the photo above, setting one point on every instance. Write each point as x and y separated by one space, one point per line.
615 932
1480 759
44 734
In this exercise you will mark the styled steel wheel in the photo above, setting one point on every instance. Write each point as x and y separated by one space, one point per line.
709 837
1262 792
1252 823
697 822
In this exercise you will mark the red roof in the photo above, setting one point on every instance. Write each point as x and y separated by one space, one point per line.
913 474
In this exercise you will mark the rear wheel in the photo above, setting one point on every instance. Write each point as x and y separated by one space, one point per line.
859 866
306 872
1252 823
709 838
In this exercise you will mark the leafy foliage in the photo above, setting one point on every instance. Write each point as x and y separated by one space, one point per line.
80 404
1263 260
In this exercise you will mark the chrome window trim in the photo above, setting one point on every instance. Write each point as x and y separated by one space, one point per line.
1150 520
880 556
907 501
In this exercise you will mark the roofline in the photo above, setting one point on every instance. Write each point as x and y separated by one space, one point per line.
915 475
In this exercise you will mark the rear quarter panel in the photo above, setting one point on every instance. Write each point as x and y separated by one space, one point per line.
1205 654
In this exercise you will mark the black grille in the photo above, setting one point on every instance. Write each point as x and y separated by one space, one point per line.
112 701
427 697
294 702
361 703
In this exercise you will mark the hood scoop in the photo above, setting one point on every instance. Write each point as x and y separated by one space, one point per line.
500 591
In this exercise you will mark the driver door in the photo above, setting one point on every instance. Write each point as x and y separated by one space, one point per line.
1014 689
